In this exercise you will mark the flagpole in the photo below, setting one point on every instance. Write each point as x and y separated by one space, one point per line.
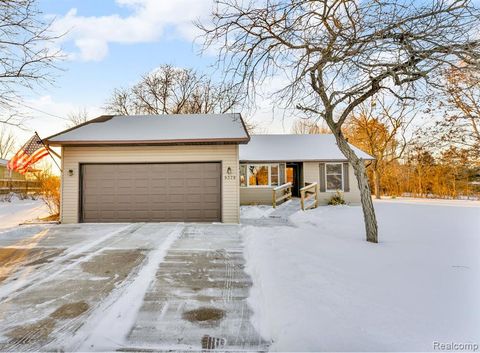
48 150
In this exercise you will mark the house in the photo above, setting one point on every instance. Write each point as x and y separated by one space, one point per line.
196 168
151 168
13 181
271 160
5 173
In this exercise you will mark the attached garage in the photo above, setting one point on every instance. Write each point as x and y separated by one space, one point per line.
167 168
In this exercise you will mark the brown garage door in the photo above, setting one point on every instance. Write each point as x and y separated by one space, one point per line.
173 192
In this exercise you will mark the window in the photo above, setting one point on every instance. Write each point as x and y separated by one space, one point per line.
334 176
258 175
282 173
261 175
274 175
243 175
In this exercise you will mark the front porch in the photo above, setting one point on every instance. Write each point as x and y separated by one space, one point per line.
258 181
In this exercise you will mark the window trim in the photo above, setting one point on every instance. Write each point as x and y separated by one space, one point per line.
269 165
326 177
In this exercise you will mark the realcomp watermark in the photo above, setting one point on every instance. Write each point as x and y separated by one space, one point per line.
455 346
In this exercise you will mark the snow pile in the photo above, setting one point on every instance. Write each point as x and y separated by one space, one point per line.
18 211
321 287
255 212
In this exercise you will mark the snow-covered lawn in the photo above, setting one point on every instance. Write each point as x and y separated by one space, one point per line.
320 287
18 211
317 285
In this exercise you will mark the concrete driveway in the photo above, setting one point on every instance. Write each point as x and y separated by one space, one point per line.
105 287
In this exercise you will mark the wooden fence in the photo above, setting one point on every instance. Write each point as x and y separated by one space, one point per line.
309 196
19 186
280 193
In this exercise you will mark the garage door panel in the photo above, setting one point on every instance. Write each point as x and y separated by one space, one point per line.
141 191
211 212
194 214
121 183
151 192
158 183
209 198
176 183
176 215
157 193
193 198
194 182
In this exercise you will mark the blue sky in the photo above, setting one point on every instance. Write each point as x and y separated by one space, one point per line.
110 44
93 80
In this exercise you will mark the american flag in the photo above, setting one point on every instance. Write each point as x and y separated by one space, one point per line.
31 152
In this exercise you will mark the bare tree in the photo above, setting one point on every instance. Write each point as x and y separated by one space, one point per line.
26 54
78 117
337 54
459 103
379 128
307 126
7 142
170 90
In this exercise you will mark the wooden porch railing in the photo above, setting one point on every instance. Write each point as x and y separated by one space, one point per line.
285 192
309 196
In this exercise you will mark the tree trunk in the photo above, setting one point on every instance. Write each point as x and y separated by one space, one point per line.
369 217
376 182
359 169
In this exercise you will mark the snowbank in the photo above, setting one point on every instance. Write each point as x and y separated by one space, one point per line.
18 211
321 287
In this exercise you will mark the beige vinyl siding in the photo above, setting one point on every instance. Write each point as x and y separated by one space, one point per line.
72 157
311 174
256 195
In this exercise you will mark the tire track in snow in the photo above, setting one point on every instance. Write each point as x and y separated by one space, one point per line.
13 289
59 325
112 321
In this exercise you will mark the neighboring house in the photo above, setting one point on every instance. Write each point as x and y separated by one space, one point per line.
271 160
5 173
16 182
186 168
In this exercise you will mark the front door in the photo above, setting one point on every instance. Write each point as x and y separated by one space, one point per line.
293 176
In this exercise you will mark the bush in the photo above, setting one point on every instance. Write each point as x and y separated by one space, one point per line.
337 199
50 191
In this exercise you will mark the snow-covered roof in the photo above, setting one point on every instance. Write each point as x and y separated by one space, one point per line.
138 129
292 148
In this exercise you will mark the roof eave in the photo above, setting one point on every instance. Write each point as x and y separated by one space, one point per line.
298 160
209 141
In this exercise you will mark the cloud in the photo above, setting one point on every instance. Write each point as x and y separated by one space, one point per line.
147 22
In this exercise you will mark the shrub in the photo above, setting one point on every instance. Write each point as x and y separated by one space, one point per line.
337 199
50 191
